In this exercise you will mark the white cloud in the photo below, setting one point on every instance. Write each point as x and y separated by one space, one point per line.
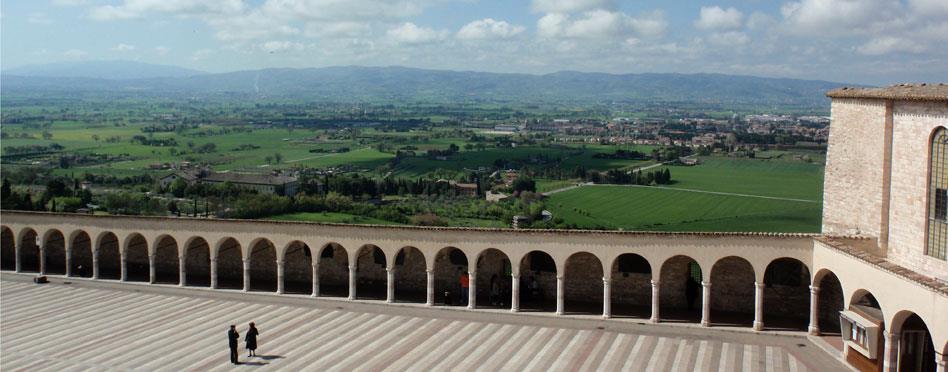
716 18
889 44
569 6
337 29
728 38
488 28
410 33
280 46
75 54
130 9
843 16
39 18
68 2
162 50
344 10
649 24
601 24
201 54
929 7
760 21
121 47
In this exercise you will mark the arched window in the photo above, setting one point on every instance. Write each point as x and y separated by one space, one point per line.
938 196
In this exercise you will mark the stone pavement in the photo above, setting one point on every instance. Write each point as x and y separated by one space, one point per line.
93 326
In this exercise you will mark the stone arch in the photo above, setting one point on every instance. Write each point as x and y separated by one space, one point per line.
631 291
370 272
54 252
28 251
830 301
732 291
786 294
297 268
230 264
135 254
197 262
538 282
493 267
449 263
680 289
411 279
866 305
582 289
7 249
916 347
80 254
166 260
109 256
263 270
333 270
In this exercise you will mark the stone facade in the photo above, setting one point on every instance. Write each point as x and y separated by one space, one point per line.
852 184
913 125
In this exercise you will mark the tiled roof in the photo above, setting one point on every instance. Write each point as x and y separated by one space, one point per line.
845 246
908 92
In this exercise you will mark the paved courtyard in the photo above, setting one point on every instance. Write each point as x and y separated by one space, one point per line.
103 326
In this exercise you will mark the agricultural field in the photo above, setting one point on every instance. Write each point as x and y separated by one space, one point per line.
721 194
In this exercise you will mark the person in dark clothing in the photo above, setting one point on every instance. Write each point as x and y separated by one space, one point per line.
233 336
691 292
251 339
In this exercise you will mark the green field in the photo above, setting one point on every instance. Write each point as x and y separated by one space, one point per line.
786 179
656 209
717 195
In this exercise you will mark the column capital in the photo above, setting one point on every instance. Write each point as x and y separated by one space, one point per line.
279 262
814 289
606 281
705 284
655 283
429 272
560 277
759 285
890 336
213 259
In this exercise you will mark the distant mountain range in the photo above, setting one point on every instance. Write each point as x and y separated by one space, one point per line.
375 84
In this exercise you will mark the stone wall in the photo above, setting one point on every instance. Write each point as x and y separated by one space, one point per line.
298 268
583 279
81 254
674 277
334 271
230 266
913 125
166 262
447 275
852 186
371 275
55 251
197 263
831 302
410 276
732 286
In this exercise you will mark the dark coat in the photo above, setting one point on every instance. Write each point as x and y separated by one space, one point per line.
251 339
232 336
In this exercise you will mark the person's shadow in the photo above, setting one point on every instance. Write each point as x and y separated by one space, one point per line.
269 357
253 363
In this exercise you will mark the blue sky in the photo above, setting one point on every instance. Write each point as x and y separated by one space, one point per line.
858 41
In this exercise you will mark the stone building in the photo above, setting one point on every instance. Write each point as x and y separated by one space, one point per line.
874 280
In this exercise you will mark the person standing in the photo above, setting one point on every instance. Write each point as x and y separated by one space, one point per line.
465 287
251 339
233 336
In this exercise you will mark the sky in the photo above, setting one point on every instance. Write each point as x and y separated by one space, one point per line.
874 42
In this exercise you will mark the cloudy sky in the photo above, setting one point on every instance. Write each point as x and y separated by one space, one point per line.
858 41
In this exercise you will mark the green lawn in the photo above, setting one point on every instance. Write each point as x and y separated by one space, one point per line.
778 178
643 208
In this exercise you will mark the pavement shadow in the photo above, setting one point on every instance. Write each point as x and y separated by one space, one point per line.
253 363
269 357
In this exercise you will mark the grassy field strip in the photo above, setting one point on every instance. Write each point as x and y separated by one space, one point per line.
701 191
